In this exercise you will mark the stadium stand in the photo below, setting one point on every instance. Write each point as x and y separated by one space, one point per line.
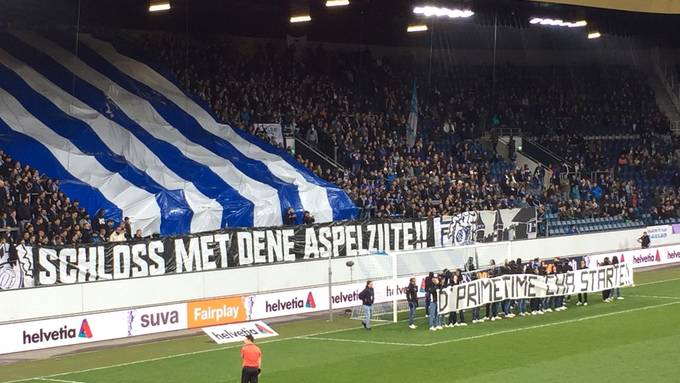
357 112
353 107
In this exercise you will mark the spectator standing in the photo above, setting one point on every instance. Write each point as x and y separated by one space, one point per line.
433 294
290 218
412 299
312 136
308 218
138 235
118 235
367 297
128 228
644 240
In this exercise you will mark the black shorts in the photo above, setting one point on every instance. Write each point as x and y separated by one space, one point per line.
249 374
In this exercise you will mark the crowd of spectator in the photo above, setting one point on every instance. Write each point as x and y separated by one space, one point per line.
354 107
34 211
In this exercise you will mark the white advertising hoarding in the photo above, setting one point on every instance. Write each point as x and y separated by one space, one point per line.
82 329
654 256
315 299
61 332
237 332
152 320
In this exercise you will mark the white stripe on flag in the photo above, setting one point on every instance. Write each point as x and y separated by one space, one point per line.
313 197
207 212
133 201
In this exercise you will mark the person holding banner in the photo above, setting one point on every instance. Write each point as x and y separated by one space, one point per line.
428 284
616 293
521 303
535 303
440 287
493 272
506 304
433 294
252 360
475 310
456 318
412 299
582 297
367 296
559 268
606 294
546 269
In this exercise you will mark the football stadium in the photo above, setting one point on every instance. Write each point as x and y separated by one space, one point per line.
339 191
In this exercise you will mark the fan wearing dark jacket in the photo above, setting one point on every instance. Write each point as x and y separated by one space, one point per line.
367 296
412 299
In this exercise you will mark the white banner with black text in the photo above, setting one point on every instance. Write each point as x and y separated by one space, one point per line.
525 286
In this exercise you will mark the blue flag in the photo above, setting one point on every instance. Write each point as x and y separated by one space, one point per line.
412 127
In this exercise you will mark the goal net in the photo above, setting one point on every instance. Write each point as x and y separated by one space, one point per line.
391 272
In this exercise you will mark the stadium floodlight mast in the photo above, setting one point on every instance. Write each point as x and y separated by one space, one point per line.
558 22
300 19
337 3
430 11
416 28
158 6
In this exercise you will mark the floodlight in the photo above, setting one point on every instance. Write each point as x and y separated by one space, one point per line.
337 3
158 6
416 28
300 18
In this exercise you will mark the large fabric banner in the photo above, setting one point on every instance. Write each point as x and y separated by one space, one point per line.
525 286
485 226
231 248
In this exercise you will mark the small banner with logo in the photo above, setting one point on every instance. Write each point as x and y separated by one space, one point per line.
237 332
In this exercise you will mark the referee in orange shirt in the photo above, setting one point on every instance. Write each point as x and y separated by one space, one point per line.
252 360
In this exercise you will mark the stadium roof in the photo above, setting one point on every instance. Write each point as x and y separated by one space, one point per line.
363 21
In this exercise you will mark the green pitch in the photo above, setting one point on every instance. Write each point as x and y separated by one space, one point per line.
631 340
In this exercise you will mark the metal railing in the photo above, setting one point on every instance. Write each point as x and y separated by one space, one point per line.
309 148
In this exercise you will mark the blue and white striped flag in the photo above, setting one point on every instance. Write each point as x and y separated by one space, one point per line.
123 137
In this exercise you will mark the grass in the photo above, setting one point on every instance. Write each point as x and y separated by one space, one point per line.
625 341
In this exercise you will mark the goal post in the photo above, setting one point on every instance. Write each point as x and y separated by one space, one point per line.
392 270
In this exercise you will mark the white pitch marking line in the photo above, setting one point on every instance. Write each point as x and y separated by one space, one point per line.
494 333
655 282
553 323
363 341
58 380
653 296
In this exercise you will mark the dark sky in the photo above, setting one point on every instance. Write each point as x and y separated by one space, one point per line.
364 21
